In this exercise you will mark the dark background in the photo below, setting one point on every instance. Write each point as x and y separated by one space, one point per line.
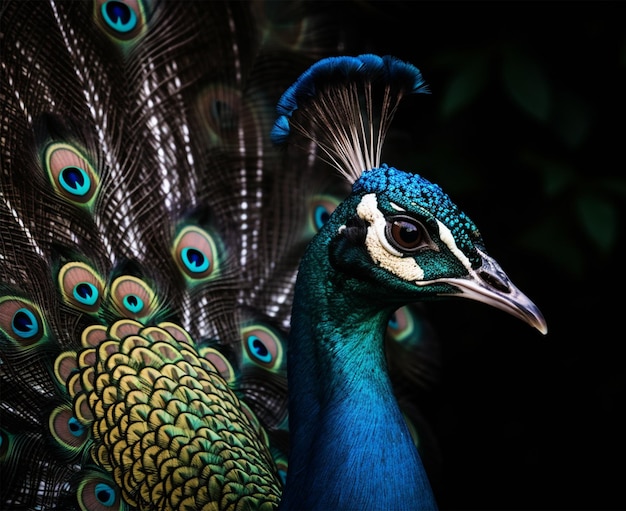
525 130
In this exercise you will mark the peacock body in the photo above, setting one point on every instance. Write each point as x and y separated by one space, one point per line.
191 318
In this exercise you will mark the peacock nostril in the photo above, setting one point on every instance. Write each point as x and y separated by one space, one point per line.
495 282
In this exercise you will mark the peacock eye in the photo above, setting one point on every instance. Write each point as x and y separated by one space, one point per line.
406 234
119 16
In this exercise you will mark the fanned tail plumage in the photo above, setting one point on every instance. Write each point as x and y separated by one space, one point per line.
151 236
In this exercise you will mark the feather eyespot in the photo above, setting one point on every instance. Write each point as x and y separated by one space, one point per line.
133 297
177 332
81 286
224 114
72 176
105 494
220 111
86 293
67 429
24 323
74 180
283 476
5 444
119 16
402 325
99 494
281 468
320 216
262 346
194 260
21 321
122 19
258 349
219 362
133 303
406 234
321 209
195 253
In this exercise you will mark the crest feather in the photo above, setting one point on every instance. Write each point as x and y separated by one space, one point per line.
345 105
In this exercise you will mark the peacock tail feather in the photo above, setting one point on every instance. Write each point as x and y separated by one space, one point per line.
146 285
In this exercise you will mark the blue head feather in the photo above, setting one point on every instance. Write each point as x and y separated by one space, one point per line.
333 71
407 188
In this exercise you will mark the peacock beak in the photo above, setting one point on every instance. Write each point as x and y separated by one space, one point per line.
489 284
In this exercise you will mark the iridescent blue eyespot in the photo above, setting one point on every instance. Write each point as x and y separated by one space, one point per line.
195 253
6 441
105 494
263 347
320 216
95 491
194 260
119 16
75 180
406 327
25 324
320 209
283 476
86 293
75 427
81 286
65 427
73 177
133 303
224 115
259 350
21 321
132 297
393 322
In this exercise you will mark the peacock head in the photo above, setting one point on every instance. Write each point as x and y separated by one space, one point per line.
398 234
403 234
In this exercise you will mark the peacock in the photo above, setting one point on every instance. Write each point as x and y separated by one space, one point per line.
210 283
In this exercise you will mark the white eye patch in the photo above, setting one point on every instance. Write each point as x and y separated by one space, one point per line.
379 248
446 236
386 255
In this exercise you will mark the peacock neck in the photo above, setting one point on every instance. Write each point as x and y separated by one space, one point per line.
350 446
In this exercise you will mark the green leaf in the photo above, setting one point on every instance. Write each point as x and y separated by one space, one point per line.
556 176
614 185
526 83
551 240
465 86
598 217
571 118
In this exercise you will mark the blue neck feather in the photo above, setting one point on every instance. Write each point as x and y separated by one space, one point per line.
350 446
